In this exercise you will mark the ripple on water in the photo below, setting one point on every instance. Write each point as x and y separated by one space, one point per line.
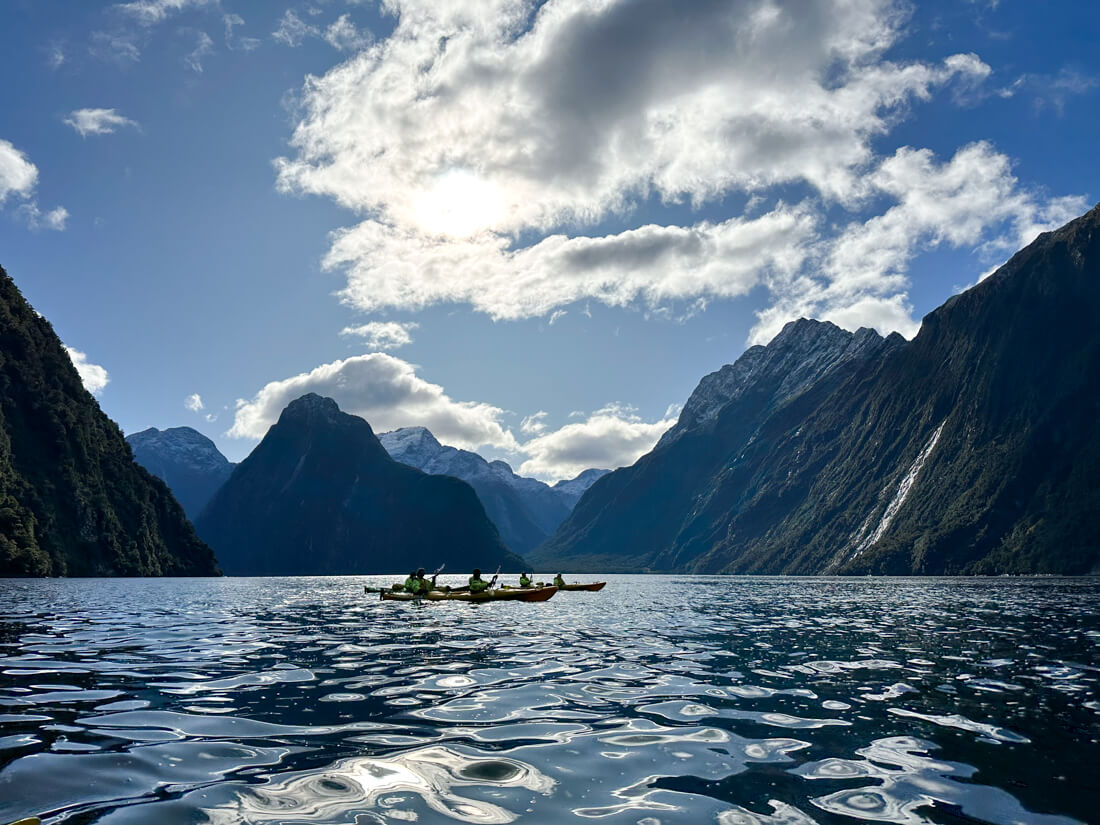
659 701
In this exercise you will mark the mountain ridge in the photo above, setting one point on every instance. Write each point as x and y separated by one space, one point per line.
320 495
970 449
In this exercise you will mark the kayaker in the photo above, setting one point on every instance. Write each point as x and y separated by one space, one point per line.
411 584
423 585
478 584
525 580
559 581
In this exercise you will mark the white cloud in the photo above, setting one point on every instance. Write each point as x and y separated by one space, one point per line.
118 45
18 175
388 267
93 376
387 392
204 45
98 121
972 201
232 41
18 178
292 30
344 35
151 12
471 124
383 335
193 402
611 437
534 423
56 57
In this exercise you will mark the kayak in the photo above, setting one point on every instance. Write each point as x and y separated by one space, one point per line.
594 586
514 594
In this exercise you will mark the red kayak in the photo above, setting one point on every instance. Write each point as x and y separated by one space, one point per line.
594 586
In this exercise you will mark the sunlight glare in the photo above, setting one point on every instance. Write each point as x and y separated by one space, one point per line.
458 204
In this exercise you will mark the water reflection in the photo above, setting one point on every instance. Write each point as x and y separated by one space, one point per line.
660 700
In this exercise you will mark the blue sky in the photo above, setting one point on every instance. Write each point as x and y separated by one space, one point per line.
531 227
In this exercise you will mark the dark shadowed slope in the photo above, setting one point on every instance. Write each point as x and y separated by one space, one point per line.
72 500
320 495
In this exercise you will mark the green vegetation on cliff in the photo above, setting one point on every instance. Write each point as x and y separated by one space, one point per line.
72 500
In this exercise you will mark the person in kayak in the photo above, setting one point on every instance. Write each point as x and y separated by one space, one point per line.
559 581
411 584
425 585
478 584
525 580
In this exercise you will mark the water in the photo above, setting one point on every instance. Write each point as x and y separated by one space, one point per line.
658 700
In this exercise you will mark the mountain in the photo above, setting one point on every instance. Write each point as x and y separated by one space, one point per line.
571 490
524 510
72 500
184 459
972 448
321 496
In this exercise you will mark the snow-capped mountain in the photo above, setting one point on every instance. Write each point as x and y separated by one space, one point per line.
184 459
525 510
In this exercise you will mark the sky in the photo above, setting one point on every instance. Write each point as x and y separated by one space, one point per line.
531 227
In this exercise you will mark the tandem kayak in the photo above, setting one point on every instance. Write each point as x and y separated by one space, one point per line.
594 586
513 594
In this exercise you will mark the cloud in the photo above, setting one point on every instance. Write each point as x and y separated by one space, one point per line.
343 35
204 45
534 423
387 392
98 121
56 57
18 178
93 376
55 219
118 46
292 30
18 175
152 12
383 335
475 124
609 438
972 200
1052 91
232 41
193 402
388 267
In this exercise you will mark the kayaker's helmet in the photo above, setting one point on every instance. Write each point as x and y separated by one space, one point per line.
420 573
477 572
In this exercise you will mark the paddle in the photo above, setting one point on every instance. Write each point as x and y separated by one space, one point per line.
493 580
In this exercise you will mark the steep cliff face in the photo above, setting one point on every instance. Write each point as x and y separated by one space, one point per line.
72 500
971 449
525 510
321 496
630 519
184 459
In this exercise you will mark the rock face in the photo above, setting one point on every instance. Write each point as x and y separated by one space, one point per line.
184 459
321 496
524 510
972 448
72 500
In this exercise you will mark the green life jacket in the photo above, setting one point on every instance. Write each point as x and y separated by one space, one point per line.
425 586
559 581
411 585
478 585
524 581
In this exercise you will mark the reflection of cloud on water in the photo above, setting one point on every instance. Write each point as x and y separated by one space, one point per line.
350 786
914 780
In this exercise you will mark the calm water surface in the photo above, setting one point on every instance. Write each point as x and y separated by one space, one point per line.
658 700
